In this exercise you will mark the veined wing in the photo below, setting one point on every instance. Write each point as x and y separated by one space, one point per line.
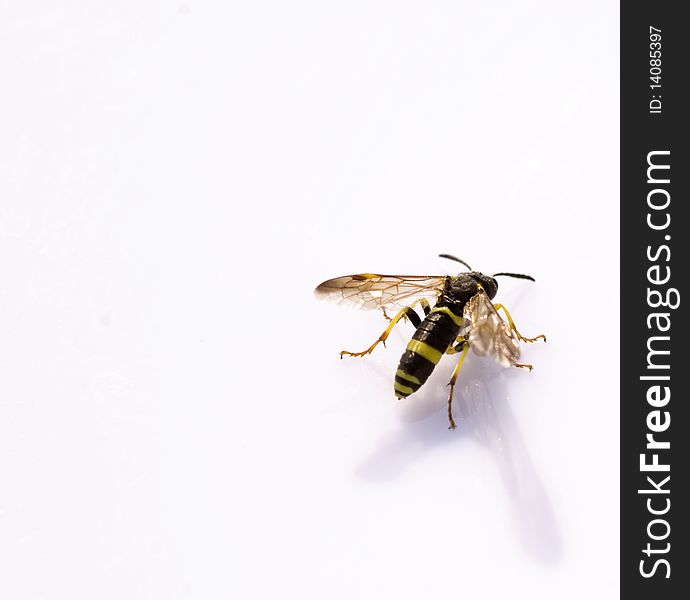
489 335
369 291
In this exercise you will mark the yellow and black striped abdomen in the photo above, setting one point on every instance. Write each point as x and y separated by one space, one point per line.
435 333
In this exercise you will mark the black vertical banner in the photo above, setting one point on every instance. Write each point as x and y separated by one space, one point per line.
655 415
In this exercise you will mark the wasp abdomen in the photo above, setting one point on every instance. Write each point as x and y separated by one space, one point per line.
430 341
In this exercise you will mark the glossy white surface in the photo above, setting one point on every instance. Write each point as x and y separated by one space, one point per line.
177 177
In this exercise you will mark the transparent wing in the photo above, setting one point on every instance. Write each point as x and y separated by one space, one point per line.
369 291
489 335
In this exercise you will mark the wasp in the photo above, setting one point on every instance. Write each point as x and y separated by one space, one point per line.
458 315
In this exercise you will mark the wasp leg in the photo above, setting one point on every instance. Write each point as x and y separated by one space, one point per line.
523 366
425 306
404 313
512 326
453 378
458 347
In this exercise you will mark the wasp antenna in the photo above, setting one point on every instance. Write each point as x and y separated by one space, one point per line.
456 259
516 275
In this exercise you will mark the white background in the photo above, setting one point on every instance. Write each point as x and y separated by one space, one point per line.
175 178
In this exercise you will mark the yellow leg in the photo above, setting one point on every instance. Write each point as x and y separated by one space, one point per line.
402 314
517 333
453 349
453 378
423 301
523 366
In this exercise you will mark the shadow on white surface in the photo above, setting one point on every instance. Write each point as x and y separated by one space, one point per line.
482 403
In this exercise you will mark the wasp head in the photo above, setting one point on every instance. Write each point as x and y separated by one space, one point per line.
466 285
489 284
